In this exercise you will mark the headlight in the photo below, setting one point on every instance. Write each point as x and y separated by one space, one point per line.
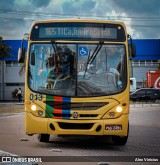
33 107
119 109
116 111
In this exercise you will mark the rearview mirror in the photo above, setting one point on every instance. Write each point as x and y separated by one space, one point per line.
132 50
21 55
131 47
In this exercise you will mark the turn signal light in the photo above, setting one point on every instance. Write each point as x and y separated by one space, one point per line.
28 102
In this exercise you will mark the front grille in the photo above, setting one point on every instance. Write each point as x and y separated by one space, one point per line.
63 108
67 116
76 105
80 126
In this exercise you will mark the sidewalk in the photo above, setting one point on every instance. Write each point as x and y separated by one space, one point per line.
11 103
144 105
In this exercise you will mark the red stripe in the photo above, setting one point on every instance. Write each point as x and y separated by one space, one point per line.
58 98
57 111
57 117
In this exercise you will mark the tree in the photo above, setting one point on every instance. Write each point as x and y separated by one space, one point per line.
4 50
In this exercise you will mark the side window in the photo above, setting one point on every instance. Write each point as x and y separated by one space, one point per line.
141 92
155 93
148 92
151 92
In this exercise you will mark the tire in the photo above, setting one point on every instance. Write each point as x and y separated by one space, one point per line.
43 137
120 140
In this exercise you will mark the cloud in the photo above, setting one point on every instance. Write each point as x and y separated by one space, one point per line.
32 3
139 7
80 8
139 16
17 16
6 4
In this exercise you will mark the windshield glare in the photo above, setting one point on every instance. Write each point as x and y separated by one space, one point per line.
77 69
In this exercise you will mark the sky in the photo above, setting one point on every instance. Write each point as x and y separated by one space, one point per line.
142 17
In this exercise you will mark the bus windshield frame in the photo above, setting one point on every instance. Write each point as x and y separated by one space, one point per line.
82 79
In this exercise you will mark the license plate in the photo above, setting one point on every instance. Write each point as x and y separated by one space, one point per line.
113 127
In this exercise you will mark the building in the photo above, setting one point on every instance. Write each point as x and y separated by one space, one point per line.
10 80
147 58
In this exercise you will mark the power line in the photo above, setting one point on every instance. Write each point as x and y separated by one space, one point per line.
144 26
137 18
14 18
69 15
135 25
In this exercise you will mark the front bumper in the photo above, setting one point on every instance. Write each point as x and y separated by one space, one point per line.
37 125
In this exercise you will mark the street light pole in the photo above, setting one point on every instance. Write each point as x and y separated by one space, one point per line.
2 73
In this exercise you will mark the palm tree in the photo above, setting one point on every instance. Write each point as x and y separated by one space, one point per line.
4 50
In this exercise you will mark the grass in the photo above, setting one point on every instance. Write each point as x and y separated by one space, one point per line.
11 109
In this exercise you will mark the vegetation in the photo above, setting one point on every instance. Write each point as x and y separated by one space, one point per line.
4 49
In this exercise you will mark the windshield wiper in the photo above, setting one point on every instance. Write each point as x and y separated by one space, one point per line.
93 56
54 45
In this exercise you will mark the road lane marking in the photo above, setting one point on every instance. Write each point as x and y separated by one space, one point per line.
4 153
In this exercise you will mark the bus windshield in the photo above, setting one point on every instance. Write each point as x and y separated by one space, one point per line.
77 69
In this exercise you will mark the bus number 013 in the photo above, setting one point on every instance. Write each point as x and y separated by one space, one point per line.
35 96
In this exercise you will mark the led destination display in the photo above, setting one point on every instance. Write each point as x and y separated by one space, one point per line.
77 32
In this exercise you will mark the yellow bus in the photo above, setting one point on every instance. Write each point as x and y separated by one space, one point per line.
77 79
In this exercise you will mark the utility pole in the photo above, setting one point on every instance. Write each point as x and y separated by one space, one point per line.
1 73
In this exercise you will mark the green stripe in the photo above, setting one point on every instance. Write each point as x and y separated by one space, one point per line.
49 109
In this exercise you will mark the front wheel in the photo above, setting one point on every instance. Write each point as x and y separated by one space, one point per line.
43 137
120 140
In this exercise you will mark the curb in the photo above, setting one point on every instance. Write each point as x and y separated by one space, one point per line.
144 105
10 103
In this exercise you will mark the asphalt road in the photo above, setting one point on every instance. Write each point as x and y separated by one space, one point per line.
144 140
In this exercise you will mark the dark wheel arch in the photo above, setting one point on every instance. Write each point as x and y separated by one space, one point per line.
120 140
43 137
